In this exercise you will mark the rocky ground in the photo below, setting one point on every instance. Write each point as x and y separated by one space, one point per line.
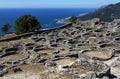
83 50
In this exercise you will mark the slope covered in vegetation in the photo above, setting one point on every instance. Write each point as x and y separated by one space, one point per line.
107 13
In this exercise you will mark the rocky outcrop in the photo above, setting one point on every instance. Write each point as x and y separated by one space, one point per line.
99 69
90 75
116 63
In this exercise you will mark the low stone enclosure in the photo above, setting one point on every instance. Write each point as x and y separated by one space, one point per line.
83 50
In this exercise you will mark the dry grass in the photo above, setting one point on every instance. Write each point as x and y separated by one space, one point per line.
66 61
49 51
92 40
22 76
33 76
34 68
5 44
109 62
117 54
63 49
113 47
33 72
14 56
8 35
104 32
80 70
11 43
96 53
24 41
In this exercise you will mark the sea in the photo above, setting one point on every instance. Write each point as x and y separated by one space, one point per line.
48 17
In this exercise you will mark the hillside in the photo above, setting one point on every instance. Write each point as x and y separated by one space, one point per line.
106 13
83 50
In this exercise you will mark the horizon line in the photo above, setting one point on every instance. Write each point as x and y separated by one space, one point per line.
48 7
43 7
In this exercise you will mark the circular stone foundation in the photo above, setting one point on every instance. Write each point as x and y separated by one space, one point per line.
95 53
14 56
110 46
113 47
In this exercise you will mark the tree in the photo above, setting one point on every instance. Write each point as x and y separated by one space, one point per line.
26 23
5 28
73 19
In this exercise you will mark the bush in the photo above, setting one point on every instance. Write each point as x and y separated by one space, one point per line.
26 23
5 28
73 19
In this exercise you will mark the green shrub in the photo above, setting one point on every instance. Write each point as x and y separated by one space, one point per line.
5 28
26 23
73 19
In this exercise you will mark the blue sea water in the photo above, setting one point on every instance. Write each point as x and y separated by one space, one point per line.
48 17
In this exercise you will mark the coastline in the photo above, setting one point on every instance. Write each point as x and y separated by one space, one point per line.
63 21
45 16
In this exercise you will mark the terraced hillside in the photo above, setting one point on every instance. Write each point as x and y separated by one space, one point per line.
84 50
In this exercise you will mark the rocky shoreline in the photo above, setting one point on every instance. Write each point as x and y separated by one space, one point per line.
84 50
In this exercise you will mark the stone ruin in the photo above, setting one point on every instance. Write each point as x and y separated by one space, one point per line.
74 51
